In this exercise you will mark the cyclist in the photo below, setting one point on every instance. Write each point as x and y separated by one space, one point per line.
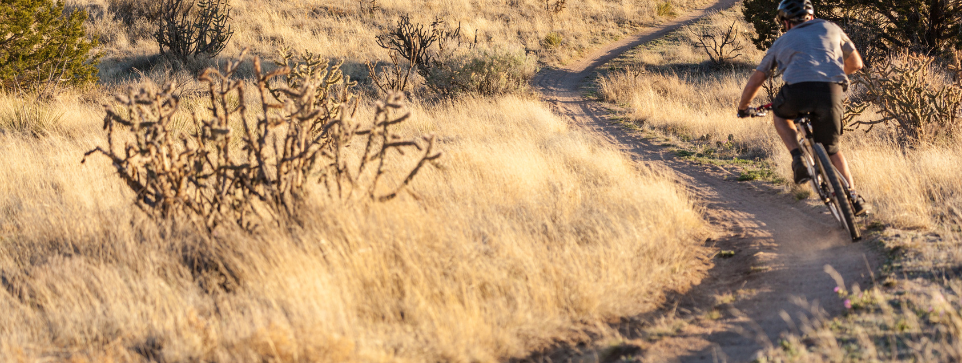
814 57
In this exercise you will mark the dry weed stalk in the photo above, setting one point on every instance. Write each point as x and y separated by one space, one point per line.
719 47
908 94
301 133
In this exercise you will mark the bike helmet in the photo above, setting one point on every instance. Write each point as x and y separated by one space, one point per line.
794 11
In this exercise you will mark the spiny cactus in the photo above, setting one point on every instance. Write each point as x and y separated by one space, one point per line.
907 94
299 136
188 36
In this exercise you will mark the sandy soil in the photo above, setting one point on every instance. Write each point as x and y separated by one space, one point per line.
783 248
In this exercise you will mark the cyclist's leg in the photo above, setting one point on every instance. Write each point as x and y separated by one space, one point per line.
786 130
785 110
827 125
842 165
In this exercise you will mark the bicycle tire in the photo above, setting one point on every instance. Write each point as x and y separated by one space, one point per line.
838 195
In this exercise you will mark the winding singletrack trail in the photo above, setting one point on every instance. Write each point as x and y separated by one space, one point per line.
782 247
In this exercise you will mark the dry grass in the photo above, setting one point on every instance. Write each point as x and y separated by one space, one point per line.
345 29
527 234
913 314
908 187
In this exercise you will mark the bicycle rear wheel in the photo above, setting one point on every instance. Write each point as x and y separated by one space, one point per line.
838 195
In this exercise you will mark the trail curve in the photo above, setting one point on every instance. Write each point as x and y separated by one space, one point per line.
782 247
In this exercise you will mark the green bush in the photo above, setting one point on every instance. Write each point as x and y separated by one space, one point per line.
42 43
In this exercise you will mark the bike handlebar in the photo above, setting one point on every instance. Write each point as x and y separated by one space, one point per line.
759 111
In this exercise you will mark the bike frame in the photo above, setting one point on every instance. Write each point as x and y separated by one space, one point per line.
803 125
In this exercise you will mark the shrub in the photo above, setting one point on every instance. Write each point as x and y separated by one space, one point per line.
298 138
666 9
908 92
413 48
552 40
493 74
187 35
721 47
43 44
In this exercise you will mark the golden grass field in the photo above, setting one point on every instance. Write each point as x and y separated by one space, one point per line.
526 233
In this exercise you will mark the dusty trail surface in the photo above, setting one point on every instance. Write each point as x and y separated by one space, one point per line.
782 247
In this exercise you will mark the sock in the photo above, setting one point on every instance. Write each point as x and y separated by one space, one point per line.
796 153
852 193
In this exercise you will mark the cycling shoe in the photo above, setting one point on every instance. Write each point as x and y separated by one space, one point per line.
801 172
859 206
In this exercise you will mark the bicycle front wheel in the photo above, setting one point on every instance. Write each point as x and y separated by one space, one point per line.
838 194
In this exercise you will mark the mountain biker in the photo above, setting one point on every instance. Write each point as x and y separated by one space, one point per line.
815 58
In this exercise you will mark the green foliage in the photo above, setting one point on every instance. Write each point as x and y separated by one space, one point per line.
186 35
761 15
552 40
928 25
39 42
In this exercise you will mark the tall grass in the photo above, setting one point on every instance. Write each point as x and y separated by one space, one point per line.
345 29
909 187
527 233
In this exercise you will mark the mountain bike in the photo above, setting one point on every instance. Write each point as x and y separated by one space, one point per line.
831 187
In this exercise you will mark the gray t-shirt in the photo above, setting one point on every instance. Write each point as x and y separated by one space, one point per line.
813 51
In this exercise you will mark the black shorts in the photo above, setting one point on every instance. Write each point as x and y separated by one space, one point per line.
823 100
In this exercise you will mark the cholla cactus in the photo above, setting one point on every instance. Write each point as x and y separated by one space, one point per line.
909 94
186 36
300 136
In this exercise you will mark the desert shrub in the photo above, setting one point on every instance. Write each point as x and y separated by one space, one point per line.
552 40
487 74
187 34
299 137
413 47
448 66
720 46
666 9
42 44
910 93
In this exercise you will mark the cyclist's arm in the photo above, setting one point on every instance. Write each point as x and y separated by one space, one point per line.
853 63
751 89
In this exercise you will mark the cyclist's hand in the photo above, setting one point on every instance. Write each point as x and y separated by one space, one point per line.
748 112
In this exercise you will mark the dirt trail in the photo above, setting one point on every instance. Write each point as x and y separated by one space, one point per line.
782 247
